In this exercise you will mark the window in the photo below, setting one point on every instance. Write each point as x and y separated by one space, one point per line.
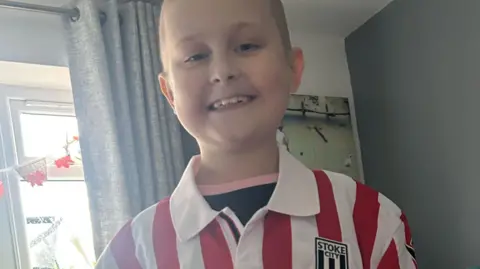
43 133
57 214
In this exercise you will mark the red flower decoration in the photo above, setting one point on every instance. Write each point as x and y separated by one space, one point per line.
64 162
2 189
36 178
75 138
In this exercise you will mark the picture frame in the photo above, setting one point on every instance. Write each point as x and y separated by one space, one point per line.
318 131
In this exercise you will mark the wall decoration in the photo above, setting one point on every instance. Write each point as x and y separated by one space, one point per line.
318 131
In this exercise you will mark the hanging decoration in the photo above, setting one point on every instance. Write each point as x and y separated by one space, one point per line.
36 172
2 189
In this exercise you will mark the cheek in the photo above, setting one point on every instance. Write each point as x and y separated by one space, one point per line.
188 89
273 83
271 74
187 112
186 80
189 104
189 101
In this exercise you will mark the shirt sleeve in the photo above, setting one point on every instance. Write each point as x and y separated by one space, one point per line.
400 253
120 253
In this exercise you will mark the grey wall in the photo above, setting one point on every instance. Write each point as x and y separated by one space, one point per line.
415 72
31 37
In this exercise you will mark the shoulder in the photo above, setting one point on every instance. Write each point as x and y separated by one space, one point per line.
365 202
144 222
158 211
136 237
152 220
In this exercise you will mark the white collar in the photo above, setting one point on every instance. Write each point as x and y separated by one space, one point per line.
296 194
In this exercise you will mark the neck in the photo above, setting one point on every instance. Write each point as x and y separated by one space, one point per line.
217 166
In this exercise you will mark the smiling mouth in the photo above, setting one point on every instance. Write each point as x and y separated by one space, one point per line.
231 102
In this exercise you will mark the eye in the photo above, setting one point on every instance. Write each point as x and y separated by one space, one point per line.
196 57
247 47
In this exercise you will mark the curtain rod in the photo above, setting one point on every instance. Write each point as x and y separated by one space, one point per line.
72 12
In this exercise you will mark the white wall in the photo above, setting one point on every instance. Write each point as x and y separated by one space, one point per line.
326 72
35 76
326 68
32 37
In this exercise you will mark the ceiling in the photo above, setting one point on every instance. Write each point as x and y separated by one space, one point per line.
335 17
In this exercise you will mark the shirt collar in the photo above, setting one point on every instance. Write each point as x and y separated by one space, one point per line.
296 194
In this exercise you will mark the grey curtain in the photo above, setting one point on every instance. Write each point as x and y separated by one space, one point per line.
130 139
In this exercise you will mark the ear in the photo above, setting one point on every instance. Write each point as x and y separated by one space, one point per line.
298 64
166 90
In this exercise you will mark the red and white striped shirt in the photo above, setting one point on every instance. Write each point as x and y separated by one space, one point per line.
314 220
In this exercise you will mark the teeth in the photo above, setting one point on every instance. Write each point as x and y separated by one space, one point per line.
234 100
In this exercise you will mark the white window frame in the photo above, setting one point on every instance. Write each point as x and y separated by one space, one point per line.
8 157
18 107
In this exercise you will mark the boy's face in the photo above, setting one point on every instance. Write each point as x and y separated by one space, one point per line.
228 75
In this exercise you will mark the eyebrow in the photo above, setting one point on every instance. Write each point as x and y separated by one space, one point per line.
187 38
240 25
234 28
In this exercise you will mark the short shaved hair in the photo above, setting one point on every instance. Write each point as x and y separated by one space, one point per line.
278 13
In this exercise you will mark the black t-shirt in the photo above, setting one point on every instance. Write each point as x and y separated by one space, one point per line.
244 202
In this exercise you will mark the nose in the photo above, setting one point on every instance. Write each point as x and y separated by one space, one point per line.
224 69
219 79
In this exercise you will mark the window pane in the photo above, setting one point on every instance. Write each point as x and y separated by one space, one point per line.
57 215
47 134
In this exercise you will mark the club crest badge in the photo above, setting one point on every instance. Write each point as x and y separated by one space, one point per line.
330 254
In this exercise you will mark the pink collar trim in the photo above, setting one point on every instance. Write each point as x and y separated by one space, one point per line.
237 185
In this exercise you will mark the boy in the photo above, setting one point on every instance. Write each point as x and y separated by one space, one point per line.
244 203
